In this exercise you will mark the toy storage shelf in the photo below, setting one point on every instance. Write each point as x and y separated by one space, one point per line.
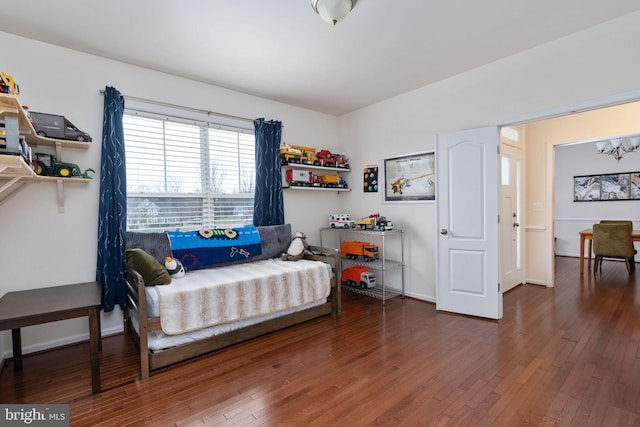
314 167
14 171
295 187
10 105
382 290
307 167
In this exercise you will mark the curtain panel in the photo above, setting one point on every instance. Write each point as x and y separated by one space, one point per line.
268 208
112 217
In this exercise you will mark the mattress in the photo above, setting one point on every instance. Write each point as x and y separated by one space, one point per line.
215 296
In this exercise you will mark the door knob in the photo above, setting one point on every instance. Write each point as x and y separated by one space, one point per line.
444 231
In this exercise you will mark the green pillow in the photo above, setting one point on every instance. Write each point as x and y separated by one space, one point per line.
149 268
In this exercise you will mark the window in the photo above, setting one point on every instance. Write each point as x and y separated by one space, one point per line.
185 173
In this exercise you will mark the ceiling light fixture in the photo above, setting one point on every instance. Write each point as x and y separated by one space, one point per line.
333 11
616 146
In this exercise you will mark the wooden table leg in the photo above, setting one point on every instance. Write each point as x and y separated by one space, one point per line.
589 255
581 254
94 342
16 338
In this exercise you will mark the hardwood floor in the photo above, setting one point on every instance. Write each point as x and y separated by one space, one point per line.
563 356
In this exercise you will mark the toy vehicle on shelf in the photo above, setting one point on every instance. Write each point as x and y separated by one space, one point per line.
359 277
289 154
70 170
330 181
325 158
341 160
356 249
366 223
46 165
341 221
43 164
57 126
374 222
308 155
8 85
300 178
384 224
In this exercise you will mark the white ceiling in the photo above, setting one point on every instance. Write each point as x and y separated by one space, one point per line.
281 50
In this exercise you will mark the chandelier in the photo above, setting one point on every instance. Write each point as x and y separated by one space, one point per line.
618 147
333 11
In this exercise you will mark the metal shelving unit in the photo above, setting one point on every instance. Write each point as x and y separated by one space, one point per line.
382 290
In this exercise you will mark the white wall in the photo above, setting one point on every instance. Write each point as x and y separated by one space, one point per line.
587 66
41 247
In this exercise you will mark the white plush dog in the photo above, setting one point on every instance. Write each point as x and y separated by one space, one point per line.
296 248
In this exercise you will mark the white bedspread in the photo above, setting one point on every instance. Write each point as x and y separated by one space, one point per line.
234 292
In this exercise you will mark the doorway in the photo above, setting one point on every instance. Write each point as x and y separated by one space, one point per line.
544 220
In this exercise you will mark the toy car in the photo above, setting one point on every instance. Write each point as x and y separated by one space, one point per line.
68 170
56 126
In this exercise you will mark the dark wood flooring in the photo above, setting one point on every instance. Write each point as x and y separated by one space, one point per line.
563 356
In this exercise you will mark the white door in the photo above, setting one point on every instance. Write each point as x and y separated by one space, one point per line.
510 217
468 234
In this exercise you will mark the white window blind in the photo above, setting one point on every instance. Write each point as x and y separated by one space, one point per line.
187 174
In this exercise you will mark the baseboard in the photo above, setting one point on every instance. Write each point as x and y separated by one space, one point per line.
53 344
536 282
420 297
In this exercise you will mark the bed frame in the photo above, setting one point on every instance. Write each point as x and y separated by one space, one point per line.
151 360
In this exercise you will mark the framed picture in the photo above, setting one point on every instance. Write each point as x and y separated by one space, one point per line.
635 186
614 186
607 187
586 188
410 178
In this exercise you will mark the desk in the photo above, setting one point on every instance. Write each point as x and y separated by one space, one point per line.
588 235
35 306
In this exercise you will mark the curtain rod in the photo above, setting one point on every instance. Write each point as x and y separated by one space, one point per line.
166 104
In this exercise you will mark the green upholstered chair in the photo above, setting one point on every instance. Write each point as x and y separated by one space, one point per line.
618 221
626 222
613 240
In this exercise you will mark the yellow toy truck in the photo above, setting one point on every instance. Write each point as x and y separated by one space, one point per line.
8 85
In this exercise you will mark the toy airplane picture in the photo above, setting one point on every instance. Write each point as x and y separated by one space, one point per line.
398 185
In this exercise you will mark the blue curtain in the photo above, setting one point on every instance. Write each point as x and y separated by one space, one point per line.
268 205
112 217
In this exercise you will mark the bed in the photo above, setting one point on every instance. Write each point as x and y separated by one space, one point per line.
228 303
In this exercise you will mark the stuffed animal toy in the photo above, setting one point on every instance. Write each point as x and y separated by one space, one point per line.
297 247
174 267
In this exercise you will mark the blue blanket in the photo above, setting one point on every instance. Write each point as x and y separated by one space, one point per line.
197 249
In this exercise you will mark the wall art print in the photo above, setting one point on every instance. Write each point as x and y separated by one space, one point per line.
370 179
410 178
606 187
